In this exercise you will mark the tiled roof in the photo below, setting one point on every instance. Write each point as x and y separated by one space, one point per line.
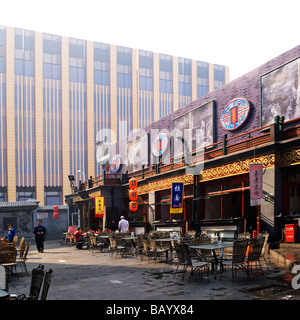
19 204
49 207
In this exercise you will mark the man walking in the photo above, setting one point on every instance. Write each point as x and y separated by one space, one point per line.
40 232
123 225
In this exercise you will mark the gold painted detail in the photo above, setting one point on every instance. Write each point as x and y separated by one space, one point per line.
236 168
164 184
289 158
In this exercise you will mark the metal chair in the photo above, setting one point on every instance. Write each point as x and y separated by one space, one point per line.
22 259
95 245
265 236
39 280
155 251
47 280
180 259
15 240
254 255
238 256
196 265
140 246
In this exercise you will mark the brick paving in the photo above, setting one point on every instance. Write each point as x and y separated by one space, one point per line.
87 275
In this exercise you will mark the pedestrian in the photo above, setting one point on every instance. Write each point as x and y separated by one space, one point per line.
123 225
11 233
40 232
79 238
113 226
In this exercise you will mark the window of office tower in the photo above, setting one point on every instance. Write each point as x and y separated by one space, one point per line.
184 82
202 79
165 85
3 175
77 106
24 112
145 88
102 112
124 95
52 115
219 76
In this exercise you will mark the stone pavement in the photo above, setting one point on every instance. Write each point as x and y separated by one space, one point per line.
87 275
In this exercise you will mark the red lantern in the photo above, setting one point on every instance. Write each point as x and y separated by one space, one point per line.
133 205
133 183
133 195
55 212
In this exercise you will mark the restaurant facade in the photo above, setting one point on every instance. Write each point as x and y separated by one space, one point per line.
234 154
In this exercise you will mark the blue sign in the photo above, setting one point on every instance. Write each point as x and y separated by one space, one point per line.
177 197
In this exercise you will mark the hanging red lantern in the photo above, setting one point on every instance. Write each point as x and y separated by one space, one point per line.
133 205
133 195
133 183
55 212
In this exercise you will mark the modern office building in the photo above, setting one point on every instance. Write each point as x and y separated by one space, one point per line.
59 96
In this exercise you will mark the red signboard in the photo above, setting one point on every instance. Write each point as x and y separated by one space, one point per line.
235 113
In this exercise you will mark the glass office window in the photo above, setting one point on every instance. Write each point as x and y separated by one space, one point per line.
202 78
165 85
52 111
24 109
101 96
184 82
77 106
3 173
219 76
124 91
145 107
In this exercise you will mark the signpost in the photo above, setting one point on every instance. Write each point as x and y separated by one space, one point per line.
256 188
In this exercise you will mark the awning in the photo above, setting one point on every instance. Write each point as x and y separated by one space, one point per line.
160 203
208 196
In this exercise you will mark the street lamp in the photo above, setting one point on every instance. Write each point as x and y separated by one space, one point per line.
79 171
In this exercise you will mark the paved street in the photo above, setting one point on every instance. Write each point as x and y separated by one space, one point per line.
86 275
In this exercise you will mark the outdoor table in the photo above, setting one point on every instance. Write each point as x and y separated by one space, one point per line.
171 250
3 294
214 247
133 242
129 238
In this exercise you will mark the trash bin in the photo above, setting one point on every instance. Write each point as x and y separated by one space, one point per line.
291 231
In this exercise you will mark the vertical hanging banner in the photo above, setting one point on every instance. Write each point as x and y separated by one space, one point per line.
99 207
256 184
177 197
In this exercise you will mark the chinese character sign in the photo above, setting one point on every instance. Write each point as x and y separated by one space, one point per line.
256 184
177 197
99 207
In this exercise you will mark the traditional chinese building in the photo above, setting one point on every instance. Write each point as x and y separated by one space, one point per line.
208 146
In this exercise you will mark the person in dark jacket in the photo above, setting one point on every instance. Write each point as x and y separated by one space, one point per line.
40 232
11 233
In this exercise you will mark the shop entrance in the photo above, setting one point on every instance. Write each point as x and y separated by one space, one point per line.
291 190
228 199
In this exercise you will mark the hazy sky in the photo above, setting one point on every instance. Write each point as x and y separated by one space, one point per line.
236 33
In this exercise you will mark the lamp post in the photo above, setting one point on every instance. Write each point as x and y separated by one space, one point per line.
79 171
